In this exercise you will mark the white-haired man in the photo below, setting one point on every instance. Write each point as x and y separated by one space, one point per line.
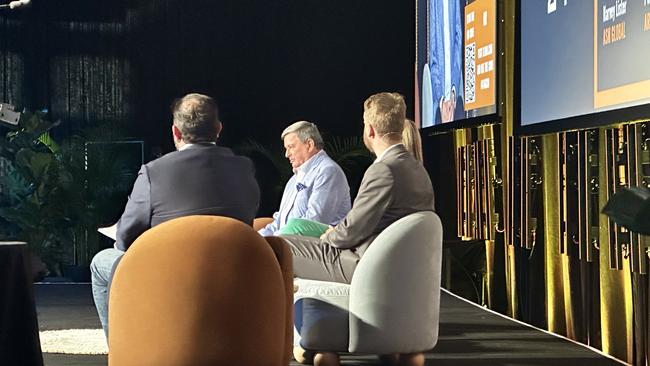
318 190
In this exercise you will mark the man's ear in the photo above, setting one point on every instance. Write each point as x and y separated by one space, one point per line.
371 131
177 133
219 128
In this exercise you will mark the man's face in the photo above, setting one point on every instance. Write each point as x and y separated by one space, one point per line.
298 151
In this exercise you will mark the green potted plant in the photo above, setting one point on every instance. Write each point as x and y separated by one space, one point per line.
53 199
35 190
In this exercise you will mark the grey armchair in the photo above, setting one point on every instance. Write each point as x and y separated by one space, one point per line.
393 302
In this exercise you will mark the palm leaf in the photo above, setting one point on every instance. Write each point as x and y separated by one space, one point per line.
276 157
350 153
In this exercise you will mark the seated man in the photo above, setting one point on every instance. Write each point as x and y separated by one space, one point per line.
200 178
318 190
394 186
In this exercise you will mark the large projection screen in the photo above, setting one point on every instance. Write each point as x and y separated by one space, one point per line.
582 57
456 61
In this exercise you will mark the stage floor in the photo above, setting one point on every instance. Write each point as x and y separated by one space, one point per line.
469 334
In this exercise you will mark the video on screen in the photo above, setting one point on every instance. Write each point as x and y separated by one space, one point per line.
456 60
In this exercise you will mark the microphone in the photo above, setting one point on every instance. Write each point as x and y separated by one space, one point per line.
15 4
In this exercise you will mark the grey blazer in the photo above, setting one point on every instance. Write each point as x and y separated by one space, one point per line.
203 179
392 188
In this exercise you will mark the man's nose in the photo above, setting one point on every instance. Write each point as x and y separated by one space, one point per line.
286 154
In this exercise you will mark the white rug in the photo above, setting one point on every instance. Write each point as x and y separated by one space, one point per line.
74 341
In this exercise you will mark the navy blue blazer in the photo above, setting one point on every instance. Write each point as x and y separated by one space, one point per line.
203 179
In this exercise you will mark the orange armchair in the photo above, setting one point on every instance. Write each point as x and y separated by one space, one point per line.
202 290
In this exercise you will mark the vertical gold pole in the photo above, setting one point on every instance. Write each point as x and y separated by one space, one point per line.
565 281
460 140
507 97
487 132
555 306
615 285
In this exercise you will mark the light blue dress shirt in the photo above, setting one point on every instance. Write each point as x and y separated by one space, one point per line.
319 191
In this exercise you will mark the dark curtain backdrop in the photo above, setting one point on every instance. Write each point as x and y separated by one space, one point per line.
68 58
268 63
116 66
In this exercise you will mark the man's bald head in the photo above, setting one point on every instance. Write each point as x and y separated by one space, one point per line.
196 116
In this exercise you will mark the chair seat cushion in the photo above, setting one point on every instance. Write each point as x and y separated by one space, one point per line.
321 315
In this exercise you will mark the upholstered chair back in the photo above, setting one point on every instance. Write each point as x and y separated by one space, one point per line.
201 290
393 303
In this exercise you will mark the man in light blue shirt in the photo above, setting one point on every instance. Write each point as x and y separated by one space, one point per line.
318 190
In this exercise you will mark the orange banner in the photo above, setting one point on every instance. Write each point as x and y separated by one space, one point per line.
480 54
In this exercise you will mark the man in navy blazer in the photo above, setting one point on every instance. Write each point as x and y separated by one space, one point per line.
200 178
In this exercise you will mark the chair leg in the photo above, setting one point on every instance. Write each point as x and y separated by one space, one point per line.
327 359
411 359
303 356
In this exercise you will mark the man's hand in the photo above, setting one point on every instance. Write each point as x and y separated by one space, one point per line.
329 229
447 108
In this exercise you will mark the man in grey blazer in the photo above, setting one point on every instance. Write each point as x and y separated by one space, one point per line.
394 186
200 178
